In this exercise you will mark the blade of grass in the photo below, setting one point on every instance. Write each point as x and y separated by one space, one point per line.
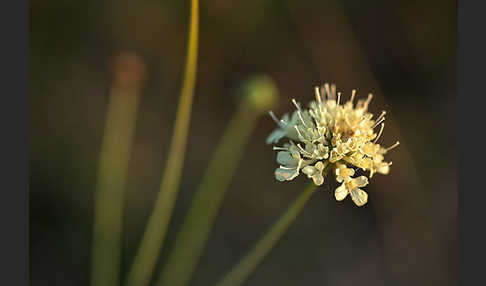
252 259
117 141
153 238
198 222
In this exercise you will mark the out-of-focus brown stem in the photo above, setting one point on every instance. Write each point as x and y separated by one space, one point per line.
129 72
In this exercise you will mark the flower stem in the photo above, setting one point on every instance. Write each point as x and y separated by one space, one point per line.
198 222
252 259
153 238
117 141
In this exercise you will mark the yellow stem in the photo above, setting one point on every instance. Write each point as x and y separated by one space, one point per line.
153 238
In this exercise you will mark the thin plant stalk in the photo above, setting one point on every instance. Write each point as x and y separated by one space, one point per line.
117 141
198 222
252 259
153 238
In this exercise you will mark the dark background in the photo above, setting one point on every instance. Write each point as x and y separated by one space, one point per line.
404 52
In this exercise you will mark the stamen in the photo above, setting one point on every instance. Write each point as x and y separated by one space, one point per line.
318 95
287 168
296 104
280 148
304 151
274 117
298 131
381 115
392 146
338 98
298 111
353 94
378 122
370 96
326 87
301 119
379 133
389 164
313 115
365 118
333 90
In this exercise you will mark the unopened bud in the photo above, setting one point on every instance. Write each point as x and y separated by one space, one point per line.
260 92
129 70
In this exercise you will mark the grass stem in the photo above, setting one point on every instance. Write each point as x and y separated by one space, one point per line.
198 222
117 141
153 238
253 258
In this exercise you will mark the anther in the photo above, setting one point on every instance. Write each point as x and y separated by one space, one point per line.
381 115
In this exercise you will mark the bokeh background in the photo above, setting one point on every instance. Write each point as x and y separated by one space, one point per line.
404 52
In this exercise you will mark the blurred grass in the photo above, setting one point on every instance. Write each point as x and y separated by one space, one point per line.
259 94
253 258
153 238
112 174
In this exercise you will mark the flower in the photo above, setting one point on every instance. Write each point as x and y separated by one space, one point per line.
315 172
352 186
331 135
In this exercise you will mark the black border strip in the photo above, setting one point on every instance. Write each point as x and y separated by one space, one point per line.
14 21
472 191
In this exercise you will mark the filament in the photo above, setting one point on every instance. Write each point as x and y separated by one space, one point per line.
393 146
274 117
353 94
379 133
318 95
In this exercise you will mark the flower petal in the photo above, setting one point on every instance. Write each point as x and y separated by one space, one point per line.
359 197
285 174
318 179
340 193
275 136
309 171
334 157
383 168
361 181
285 158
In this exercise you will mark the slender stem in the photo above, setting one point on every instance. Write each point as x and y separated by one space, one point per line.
198 222
153 238
253 258
117 141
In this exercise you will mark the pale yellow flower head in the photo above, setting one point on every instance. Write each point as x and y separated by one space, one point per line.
332 134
